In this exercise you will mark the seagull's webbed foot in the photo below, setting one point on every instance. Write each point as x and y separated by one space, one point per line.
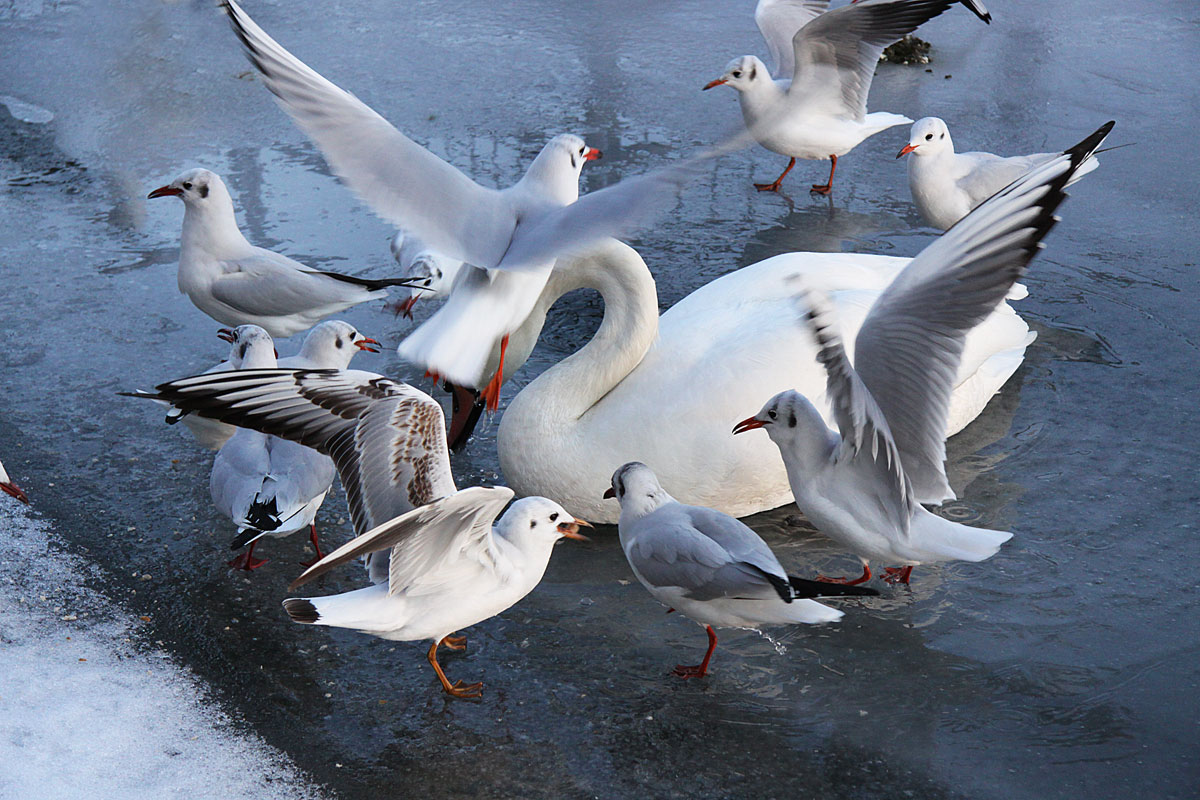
898 574
774 187
699 670
453 642
465 691
246 561
827 187
458 688
866 576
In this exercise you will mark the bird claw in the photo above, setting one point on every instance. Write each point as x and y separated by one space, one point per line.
247 562
821 188
897 575
465 690
767 187
684 671
454 643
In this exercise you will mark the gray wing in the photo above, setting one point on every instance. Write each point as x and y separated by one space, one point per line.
778 21
990 173
666 550
402 182
736 538
424 539
387 439
836 54
298 474
269 284
910 344
237 474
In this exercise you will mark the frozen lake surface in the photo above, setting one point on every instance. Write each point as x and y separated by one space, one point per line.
1066 666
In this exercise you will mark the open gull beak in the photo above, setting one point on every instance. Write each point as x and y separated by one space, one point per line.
908 148
368 344
591 154
571 529
226 334
165 191
748 424
15 491
711 84
406 307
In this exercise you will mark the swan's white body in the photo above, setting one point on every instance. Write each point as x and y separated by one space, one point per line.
667 391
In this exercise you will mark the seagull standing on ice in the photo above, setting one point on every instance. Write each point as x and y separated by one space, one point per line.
946 185
863 486
236 283
709 566
818 109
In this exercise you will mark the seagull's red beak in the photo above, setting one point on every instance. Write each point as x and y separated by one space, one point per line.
226 334
609 494
406 307
591 154
908 148
15 491
748 424
571 529
368 344
711 84
165 191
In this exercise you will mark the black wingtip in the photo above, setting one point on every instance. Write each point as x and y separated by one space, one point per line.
371 283
801 587
1082 151
301 610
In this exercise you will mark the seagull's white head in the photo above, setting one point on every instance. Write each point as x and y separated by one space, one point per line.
333 343
742 73
538 520
251 347
555 171
788 417
929 136
636 488
198 189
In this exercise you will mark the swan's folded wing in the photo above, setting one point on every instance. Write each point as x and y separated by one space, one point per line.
835 55
403 182
778 21
908 349
387 439
422 540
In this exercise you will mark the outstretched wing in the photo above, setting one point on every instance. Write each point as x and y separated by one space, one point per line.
910 344
402 182
387 439
778 21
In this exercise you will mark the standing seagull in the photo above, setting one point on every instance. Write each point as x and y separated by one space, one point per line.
10 488
946 185
820 110
863 486
709 566
268 486
236 283
436 562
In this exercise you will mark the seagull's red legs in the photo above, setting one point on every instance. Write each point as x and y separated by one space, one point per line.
491 393
898 574
827 187
312 537
700 670
247 561
866 576
458 688
774 187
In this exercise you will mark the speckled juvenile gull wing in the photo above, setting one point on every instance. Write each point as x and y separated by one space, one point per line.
387 439
402 182
909 346
423 540
778 21
835 55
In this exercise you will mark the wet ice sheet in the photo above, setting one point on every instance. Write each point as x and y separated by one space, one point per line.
87 713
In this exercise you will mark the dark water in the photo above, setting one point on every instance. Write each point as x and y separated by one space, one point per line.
1064 667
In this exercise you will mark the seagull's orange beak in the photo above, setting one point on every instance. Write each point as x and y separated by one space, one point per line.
226 334
15 491
748 424
571 529
908 148
592 154
165 191
711 84
368 344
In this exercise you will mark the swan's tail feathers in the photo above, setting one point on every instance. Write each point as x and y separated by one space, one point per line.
301 609
802 587
882 120
943 540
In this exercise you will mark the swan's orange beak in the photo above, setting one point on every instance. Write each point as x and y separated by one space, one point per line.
571 529
711 84
748 424
165 191
368 344
908 148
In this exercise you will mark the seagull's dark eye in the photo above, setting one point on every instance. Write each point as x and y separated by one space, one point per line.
554 516
582 149
928 136
737 73
353 335
339 342
772 414
187 185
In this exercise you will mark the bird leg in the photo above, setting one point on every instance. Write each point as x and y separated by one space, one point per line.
458 688
866 576
827 187
454 642
312 537
491 393
467 408
247 561
15 491
701 669
898 574
774 187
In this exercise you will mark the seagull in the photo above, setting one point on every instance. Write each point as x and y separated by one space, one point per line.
442 564
863 485
511 236
709 566
10 488
819 110
946 185
268 486
236 283
430 273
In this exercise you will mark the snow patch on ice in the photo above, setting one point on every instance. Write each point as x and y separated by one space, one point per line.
85 713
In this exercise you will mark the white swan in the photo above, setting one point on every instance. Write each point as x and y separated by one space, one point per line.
667 390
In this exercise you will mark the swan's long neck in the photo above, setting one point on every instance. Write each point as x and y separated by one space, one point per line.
565 392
